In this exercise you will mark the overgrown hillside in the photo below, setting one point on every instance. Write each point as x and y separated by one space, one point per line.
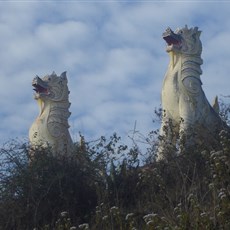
107 185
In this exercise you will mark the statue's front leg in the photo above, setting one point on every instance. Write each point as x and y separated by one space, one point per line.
187 123
189 107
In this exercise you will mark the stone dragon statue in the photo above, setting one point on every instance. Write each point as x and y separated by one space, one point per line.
187 114
50 129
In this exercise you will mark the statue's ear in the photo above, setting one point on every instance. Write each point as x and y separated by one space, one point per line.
63 76
53 74
198 32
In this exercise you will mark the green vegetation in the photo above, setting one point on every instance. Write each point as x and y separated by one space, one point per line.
107 185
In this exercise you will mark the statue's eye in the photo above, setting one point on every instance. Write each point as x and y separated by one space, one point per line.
49 79
181 32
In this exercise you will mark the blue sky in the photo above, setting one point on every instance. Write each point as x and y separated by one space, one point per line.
114 56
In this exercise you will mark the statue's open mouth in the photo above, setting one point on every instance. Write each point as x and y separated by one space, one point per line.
40 87
173 40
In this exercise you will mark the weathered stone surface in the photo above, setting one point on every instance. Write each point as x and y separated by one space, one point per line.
51 126
187 113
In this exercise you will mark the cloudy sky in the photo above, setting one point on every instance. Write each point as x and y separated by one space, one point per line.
114 56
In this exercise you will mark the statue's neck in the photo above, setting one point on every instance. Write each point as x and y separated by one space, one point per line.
175 59
185 63
46 106
42 106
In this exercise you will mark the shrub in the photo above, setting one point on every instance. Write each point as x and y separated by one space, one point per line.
106 185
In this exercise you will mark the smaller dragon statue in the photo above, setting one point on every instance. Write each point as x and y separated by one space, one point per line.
50 129
187 114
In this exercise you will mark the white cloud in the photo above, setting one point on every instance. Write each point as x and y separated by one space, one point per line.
113 54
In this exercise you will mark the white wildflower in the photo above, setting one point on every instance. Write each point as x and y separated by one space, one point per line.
149 222
149 217
84 226
64 214
105 217
114 208
73 228
203 214
129 215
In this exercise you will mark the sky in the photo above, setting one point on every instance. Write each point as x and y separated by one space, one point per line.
114 56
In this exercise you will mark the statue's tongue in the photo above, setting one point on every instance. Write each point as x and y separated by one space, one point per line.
40 89
171 40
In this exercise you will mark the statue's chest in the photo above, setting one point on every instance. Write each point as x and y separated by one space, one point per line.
170 88
171 93
38 130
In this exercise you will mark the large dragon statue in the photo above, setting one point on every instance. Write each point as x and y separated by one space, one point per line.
50 129
187 114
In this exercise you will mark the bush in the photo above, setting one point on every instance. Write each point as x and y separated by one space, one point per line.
33 194
106 185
